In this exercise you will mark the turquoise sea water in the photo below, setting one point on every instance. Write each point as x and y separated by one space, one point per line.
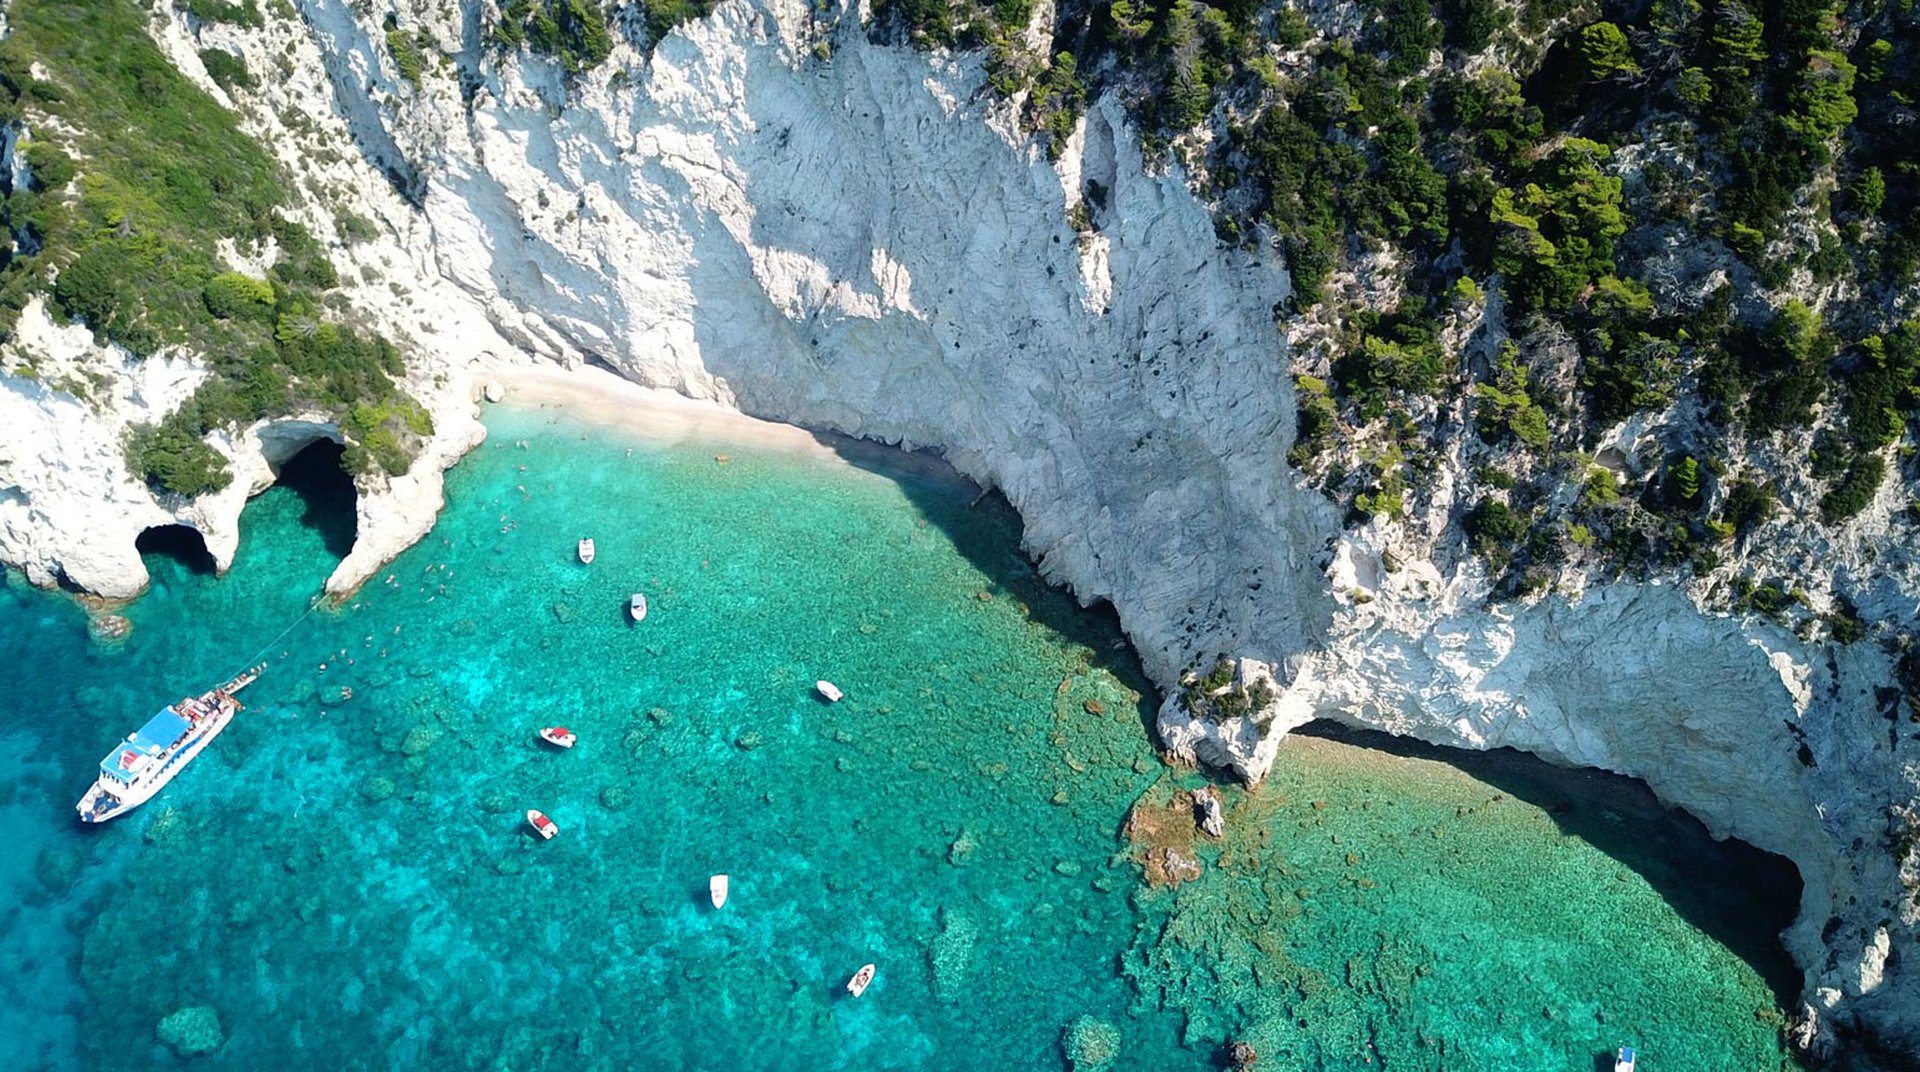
348 882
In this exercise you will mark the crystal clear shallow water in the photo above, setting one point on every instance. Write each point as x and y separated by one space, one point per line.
350 880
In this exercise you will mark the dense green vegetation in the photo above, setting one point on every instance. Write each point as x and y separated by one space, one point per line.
126 242
571 32
1554 186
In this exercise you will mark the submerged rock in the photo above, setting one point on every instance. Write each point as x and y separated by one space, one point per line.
952 953
1092 1044
107 628
377 789
1161 829
166 827
419 739
1170 867
192 1031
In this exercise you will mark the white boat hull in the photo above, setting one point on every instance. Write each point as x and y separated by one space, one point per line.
717 890
132 796
542 825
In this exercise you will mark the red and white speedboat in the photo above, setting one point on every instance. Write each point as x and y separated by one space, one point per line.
540 822
858 984
559 736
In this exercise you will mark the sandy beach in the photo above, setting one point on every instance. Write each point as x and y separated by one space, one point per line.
599 397
657 415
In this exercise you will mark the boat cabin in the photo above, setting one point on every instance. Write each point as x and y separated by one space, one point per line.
144 747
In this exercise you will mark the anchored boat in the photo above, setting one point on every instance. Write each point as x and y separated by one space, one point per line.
559 736
148 759
858 984
637 607
828 691
544 825
717 890
1624 1058
586 550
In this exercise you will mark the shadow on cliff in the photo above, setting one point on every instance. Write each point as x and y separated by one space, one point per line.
986 530
1739 895
318 475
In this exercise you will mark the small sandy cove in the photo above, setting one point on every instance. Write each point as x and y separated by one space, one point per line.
596 396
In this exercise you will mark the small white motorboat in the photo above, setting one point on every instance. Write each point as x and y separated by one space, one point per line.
1624 1058
559 736
828 691
586 550
858 984
637 607
540 822
717 889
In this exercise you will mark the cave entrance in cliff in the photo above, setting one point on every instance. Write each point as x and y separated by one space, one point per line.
318 475
180 544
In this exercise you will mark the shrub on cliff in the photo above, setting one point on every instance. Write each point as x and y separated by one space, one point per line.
1506 409
245 13
1746 506
226 69
1855 490
1556 231
1605 52
1493 529
171 458
574 32
1786 366
90 291
231 295
1398 353
407 57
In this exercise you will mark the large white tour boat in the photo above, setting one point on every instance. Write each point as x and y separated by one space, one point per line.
148 759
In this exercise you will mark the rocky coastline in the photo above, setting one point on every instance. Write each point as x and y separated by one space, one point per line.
870 246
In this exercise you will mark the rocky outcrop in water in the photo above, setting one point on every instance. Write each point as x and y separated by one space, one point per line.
865 243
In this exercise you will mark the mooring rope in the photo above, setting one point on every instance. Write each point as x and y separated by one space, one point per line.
312 605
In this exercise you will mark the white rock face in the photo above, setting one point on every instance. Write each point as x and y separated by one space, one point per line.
865 244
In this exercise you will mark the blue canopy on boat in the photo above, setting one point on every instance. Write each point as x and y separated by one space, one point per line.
147 742
164 728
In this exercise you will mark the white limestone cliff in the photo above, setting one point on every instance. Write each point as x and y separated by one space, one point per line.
867 244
